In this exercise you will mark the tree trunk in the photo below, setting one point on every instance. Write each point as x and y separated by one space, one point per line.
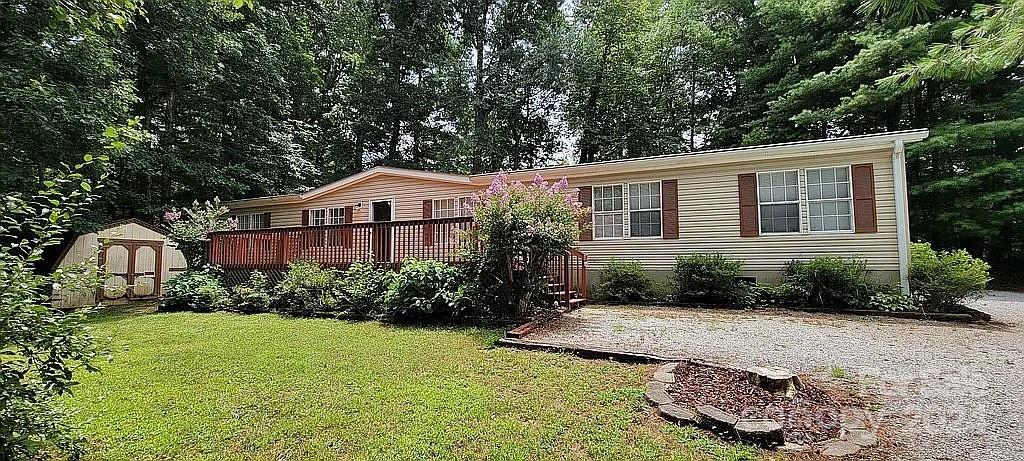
588 145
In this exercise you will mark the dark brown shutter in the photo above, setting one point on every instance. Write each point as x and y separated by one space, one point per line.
748 204
670 209
428 228
266 220
305 217
864 215
346 233
586 197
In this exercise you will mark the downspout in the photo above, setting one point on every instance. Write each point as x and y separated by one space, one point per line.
899 173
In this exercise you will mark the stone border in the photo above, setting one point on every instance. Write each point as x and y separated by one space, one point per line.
854 434
583 352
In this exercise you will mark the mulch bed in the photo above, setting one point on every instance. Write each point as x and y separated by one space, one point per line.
812 415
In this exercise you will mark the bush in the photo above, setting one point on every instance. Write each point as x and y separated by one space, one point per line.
890 300
941 280
519 229
361 288
306 288
831 282
253 296
195 290
707 278
625 281
424 289
766 295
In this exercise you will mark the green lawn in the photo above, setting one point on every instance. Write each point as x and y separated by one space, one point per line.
223 386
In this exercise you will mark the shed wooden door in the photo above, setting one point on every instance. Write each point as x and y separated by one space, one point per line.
134 269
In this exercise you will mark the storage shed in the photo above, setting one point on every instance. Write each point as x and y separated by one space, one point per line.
138 256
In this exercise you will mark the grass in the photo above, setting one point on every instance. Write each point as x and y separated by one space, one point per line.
223 386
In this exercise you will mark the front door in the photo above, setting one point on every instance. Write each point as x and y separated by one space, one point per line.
133 267
381 211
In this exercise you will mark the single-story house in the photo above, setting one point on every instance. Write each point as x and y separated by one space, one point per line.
765 205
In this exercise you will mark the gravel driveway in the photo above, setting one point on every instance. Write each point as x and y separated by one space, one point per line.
944 391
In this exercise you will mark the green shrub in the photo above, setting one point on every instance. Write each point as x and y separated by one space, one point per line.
766 295
941 280
306 288
253 296
707 278
890 300
625 281
424 289
831 282
362 287
195 290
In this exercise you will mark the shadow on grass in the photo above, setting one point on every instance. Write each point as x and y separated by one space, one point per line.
486 331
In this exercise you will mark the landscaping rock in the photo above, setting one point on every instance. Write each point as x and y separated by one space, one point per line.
763 432
839 448
657 394
677 414
861 437
775 379
790 447
715 420
664 377
849 421
668 367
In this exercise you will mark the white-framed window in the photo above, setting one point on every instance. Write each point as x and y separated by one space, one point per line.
336 216
607 209
250 221
445 208
465 206
829 199
318 217
645 209
778 199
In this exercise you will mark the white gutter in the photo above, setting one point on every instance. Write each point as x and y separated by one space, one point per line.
899 173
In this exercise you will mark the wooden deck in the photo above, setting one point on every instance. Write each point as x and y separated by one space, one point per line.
383 243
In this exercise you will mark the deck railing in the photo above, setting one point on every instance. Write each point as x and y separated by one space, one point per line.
385 243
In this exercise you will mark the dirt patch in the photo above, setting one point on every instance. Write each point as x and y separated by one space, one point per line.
814 414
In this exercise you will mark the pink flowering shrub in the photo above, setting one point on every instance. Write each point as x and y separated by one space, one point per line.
519 227
190 226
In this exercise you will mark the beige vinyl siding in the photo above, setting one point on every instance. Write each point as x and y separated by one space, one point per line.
408 194
708 202
86 247
709 219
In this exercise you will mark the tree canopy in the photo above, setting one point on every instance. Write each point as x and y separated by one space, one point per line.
283 95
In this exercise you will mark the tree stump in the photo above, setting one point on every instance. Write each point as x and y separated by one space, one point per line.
775 380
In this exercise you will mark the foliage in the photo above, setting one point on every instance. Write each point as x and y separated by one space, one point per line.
707 278
252 296
626 282
362 288
831 282
424 289
944 279
199 290
890 300
43 348
772 295
519 228
190 227
987 43
307 288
